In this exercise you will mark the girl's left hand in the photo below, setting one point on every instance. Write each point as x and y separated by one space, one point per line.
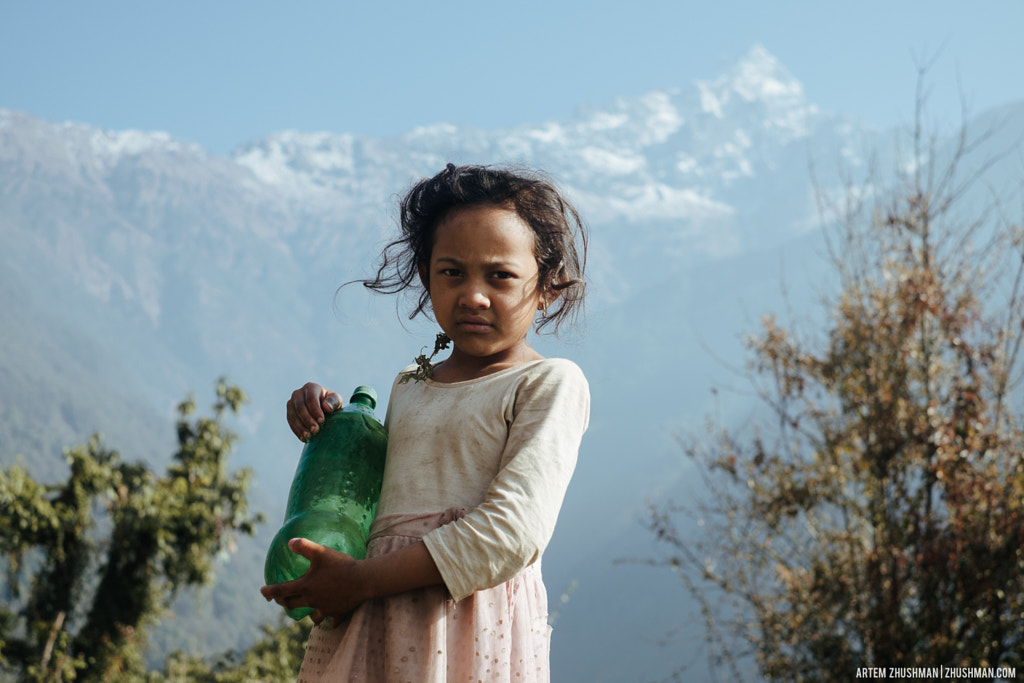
331 586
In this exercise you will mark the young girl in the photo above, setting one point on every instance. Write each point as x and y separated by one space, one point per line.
481 447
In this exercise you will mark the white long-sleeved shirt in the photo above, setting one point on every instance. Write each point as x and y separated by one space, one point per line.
504 447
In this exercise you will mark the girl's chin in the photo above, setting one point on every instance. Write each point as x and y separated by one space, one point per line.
480 350
475 351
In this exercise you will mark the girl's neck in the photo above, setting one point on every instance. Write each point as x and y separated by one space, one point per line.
460 367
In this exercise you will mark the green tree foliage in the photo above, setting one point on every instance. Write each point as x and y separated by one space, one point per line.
93 560
877 518
275 658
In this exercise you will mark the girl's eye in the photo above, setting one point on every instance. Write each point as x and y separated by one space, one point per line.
450 272
503 275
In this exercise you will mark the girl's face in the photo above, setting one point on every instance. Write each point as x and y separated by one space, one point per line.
483 284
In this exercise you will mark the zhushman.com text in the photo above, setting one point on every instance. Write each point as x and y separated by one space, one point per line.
934 672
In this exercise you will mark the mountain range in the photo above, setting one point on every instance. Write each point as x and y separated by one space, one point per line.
136 268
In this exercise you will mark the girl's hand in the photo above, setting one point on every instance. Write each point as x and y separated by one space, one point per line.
332 586
307 408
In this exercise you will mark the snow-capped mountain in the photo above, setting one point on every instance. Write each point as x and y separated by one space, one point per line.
672 166
136 267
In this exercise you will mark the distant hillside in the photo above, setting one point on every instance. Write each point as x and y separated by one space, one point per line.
58 385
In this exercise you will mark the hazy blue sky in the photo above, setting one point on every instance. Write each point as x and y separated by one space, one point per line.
221 72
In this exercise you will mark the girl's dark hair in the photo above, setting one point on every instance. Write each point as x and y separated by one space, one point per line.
560 237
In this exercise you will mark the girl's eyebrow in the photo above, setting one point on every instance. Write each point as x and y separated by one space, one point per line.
489 264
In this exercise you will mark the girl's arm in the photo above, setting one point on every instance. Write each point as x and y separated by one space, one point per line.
511 527
336 583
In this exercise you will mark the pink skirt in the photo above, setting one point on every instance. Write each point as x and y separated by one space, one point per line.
423 636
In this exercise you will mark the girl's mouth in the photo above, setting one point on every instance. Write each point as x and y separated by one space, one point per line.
474 325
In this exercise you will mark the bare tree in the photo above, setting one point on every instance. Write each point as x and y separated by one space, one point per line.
876 518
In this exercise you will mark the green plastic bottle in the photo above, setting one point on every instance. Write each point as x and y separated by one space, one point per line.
335 490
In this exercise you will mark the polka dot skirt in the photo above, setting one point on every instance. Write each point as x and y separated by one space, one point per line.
423 636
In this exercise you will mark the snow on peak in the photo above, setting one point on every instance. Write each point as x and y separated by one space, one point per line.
97 148
662 118
310 152
760 76
609 162
434 130
296 160
759 81
109 147
649 120
757 77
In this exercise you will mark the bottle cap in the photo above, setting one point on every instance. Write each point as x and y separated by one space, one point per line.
365 395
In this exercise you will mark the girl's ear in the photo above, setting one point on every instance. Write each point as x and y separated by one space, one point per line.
548 296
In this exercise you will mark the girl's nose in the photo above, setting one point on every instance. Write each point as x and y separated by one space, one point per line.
473 296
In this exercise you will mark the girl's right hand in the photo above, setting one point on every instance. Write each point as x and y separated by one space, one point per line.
307 408
331 586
